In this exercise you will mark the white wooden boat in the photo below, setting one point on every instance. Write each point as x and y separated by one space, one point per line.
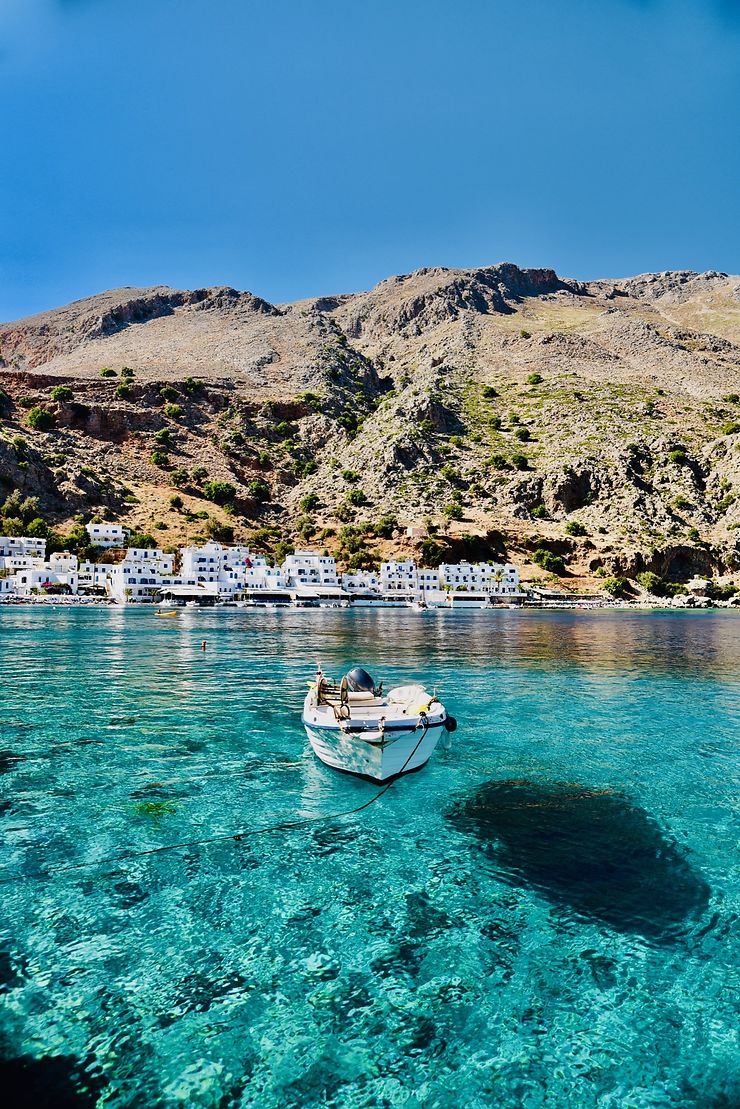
356 727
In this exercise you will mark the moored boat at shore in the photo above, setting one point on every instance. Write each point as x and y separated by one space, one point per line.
354 726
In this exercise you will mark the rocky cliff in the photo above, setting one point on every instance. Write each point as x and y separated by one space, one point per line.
501 410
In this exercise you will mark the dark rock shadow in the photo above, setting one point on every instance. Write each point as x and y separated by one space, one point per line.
588 849
53 1082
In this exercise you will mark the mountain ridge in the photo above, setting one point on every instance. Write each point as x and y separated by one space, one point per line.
425 387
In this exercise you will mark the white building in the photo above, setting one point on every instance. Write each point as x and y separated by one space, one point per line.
13 546
361 582
233 570
482 577
37 576
399 579
140 576
310 574
107 535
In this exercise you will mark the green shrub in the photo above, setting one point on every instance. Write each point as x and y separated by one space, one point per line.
176 502
200 473
731 428
678 457
385 526
524 334
123 392
575 527
61 393
732 398
534 379
37 529
313 400
520 461
218 532
693 534
163 436
540 512
142 540
498 462
309 502
681 502
263 459
549 561
41 419
20 446
260 490
168 393
106 371
651 582
26 402
522 434
617 587
720 592
725 503
496 423
432 553
305 527
356 497
351 476
191 386
179 477
127 372
220 492
453 511
489 392
159 458
174 411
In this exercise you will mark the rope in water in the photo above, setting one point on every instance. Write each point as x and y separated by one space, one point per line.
281 826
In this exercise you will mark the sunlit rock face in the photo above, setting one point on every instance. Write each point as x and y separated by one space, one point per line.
590 850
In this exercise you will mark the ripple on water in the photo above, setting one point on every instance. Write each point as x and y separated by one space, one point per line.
484 935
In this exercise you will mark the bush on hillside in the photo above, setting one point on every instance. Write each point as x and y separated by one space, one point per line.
220 492
260 490
549 561
617 587
41 419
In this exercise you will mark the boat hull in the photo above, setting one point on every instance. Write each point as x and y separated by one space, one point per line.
350 752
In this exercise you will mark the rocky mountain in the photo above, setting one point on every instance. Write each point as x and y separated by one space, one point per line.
499 410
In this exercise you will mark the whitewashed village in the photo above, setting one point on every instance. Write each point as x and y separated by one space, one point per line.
215 574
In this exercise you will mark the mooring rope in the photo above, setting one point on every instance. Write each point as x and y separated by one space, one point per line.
237 837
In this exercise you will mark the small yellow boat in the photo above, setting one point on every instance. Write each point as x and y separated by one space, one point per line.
172 613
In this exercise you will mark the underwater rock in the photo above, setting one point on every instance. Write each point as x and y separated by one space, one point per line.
11 970
53 1082
9 761
589 849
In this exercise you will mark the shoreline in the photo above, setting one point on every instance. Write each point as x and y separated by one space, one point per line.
525 606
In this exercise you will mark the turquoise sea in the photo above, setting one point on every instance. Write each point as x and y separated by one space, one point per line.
546 915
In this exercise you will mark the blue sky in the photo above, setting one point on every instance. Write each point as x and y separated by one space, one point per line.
313 147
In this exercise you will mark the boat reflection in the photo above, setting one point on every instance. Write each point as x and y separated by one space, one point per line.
590 850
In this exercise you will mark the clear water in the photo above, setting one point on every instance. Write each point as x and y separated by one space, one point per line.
546 915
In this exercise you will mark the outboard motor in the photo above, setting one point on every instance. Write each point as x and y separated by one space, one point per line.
359 681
